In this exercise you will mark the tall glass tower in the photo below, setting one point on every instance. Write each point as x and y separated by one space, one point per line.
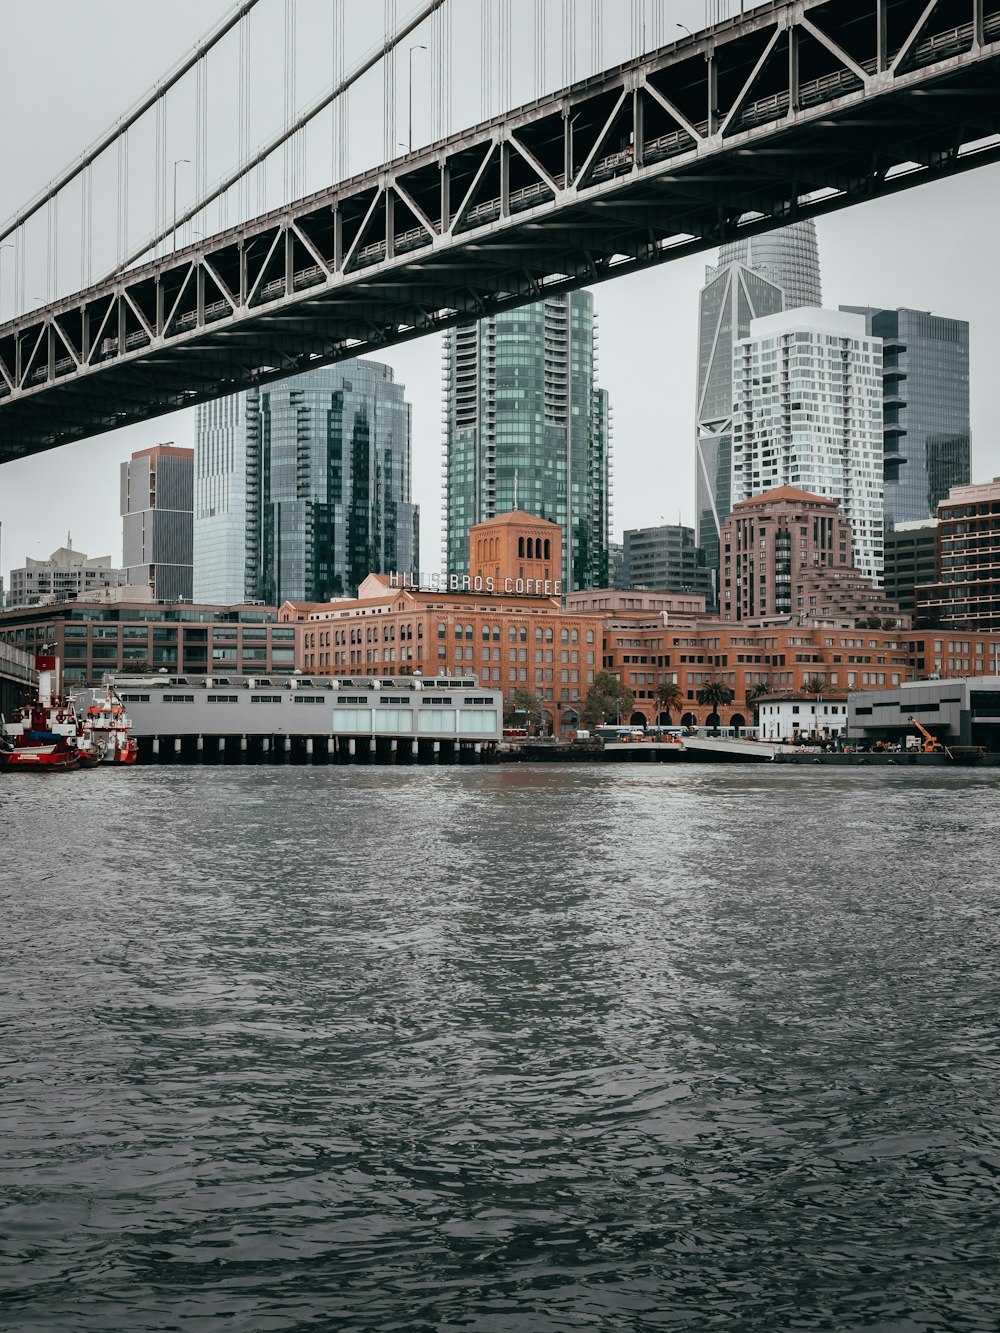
925 406
526 428
303 488
755 276
730 299
788 257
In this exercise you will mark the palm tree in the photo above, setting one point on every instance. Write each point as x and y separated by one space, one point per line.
814 685
669 696
716 695
754 693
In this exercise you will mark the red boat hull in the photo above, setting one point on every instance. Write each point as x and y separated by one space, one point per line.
26 759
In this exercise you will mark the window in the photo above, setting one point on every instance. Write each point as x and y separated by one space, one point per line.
178 698
265 698
220 698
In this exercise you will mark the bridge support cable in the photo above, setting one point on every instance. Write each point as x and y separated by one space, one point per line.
596 35
618 173
540 47
267 150
155 94
201 134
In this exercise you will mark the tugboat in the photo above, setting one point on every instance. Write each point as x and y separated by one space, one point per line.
45 736
108 730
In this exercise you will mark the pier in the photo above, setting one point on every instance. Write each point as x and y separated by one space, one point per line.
311 720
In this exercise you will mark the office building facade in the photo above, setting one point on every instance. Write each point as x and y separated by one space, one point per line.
967 590
157 509
303 488
664 559
925 404
526 427
807 393
91 639
63 577
910 556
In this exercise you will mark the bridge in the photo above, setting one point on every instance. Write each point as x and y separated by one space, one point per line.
794 109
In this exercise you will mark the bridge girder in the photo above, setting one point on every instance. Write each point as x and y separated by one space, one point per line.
797 109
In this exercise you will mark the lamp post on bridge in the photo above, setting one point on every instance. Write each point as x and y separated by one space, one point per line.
177 163
409 98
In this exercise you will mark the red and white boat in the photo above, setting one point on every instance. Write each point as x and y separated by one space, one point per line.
107 729
46 736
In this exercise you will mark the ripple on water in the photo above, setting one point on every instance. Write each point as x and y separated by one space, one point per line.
500 1049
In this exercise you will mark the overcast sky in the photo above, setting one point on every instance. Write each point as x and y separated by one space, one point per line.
68 70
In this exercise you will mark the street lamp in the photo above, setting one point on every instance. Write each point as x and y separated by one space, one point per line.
409 134
177 163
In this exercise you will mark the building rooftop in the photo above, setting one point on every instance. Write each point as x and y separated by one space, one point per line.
790 493
513 516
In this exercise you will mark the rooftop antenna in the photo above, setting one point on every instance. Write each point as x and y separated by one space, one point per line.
515 488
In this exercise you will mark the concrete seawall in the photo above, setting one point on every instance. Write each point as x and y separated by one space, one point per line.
317 750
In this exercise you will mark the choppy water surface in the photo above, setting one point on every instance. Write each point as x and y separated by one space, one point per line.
500 1049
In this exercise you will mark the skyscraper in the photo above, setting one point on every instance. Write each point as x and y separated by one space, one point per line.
730 299
526 428
807 390
788 257
755 276
157 499
303 488
925 403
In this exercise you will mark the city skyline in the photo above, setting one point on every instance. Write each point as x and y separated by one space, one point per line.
873 254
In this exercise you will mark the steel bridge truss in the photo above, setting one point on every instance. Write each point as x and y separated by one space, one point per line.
798 108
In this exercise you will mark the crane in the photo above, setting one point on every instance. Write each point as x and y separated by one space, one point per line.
931 743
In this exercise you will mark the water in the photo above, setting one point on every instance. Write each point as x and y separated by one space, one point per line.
499 1049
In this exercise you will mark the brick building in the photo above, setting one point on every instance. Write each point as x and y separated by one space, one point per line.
787 552
503 622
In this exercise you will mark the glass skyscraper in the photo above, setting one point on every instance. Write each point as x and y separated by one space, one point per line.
788 257
755 276
925 403
303 488
731 297
526 428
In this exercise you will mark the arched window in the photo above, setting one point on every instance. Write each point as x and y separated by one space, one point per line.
520 548
458 631
547 547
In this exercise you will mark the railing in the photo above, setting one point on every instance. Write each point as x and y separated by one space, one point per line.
17 663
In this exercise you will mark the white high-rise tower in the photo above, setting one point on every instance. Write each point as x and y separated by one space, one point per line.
807 390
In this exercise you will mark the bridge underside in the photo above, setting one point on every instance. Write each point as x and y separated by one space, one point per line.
788 113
